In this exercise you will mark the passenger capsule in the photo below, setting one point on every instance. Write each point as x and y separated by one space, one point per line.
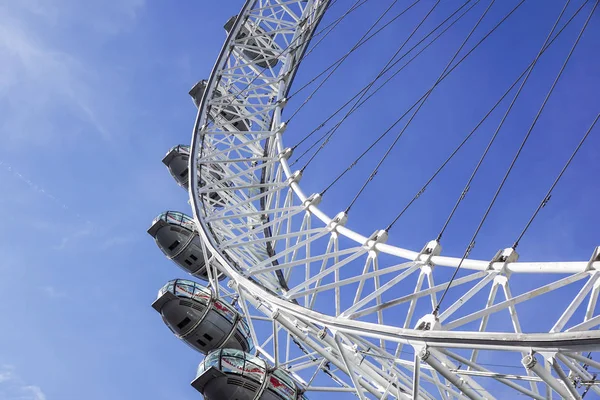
229 113
199 319
176 235
233 374
177 160
263 50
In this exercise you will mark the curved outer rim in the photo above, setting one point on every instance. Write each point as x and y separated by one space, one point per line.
562 341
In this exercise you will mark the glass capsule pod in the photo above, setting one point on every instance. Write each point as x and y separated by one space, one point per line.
233 374
262 49
175 234
202 321
177 160
229 115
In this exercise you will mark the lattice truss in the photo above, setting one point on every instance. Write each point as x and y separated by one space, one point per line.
349 313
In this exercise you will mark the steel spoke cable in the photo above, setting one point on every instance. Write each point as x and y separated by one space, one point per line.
522 145
546 198
345 56
334 23
240 91
456 150
306 137
467 186
438 80
540 111
380 73
332 65
368 87
288 47
416 103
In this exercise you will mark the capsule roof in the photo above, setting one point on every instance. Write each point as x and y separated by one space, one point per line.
253 372
197 91
176 161
183 288
172 218
180 149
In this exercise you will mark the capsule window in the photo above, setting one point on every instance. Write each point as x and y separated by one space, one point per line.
183 323
184 173
174 245
208 337
193 257
201 343
188 262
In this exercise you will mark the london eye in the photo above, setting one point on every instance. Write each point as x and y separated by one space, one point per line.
290 298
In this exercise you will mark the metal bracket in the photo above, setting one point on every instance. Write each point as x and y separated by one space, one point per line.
428 322
312 200
295 178
282 104
285 154
431 249
529 361
338 220
379 236
322 333
424 354
505 256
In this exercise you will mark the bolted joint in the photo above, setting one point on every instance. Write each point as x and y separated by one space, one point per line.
505 256
428 322
284 77
529 361
294 178
312 200
285 154
282 102
281 128
275 314
380 236
338 220
431 249
322 333
424 354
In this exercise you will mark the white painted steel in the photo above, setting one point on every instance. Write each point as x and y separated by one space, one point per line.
282 254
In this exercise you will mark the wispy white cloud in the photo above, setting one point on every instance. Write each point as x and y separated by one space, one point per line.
75 235
42 80
34 391
53 292
34 186
13 387
7 373
106 17
116 240
39 80
69 228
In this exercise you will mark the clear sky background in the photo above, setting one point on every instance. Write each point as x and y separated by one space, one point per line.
93 94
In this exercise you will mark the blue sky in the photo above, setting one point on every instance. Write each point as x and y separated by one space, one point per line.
92 94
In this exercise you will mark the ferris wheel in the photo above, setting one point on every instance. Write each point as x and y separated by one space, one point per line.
296 302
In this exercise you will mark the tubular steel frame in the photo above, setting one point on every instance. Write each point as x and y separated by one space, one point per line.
285 258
